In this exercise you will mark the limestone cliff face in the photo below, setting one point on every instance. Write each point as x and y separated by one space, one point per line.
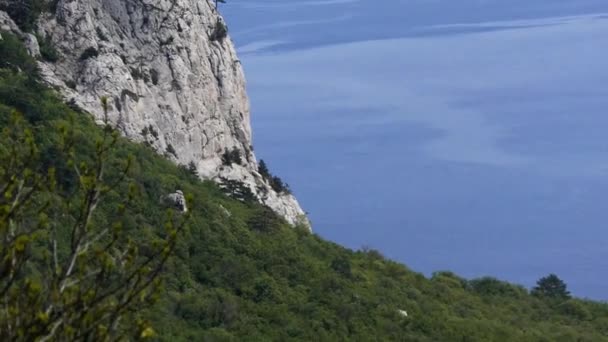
173 82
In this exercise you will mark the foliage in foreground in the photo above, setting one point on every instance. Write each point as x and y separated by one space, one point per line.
67 273
241 273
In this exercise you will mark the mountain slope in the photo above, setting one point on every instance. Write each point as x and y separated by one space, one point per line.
242 273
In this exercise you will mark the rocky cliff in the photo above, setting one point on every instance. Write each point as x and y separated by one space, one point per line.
172 77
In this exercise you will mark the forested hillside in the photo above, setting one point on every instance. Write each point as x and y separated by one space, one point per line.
240 273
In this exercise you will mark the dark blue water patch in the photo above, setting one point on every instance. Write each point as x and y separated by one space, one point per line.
297 40
355 135
388 15
448 31
300 43
370 21
560 123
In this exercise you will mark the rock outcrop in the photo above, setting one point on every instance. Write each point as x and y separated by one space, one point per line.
172 77
176 200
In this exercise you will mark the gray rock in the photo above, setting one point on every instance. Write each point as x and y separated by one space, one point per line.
31 45
170 84
225 211
29 40
7 24
176 200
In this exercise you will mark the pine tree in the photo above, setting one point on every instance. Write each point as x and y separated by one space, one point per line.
551 286
192 169
263 169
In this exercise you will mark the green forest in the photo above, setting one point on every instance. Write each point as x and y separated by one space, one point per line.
229 269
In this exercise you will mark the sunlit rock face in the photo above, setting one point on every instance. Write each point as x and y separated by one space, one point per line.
173 81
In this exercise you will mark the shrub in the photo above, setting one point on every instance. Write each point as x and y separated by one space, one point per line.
154 76
233 156
276 183
153 132
263 169
237 190
171 150
449 279
74 106
90 52
137 74
15 57
192 169
47 49
101 35
264 220
70 84
575 309
488 286
279 186
220 31
341 265
372 253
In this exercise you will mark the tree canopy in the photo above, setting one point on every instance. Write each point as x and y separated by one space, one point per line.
551 286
